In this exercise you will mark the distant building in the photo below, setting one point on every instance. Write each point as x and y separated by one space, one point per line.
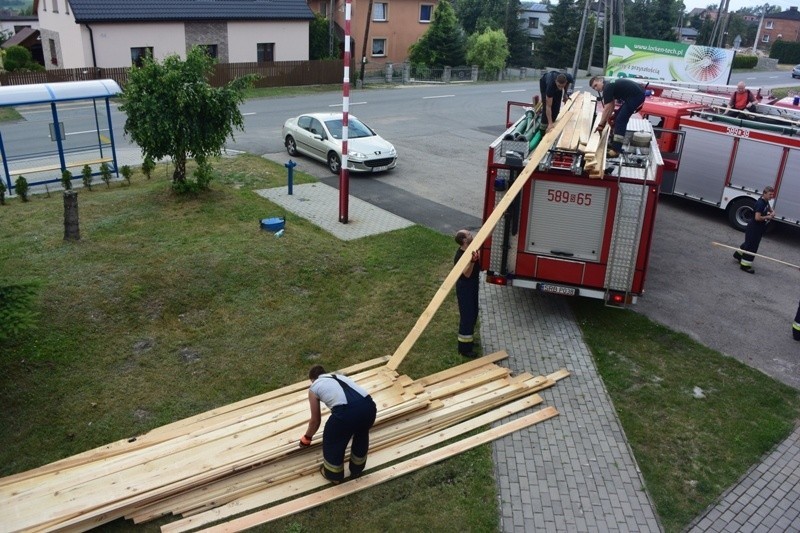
779 26
688 35
534 18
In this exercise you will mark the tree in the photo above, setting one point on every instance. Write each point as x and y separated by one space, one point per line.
443 44
557 48
319 39
19 58
476 16
653 19
488 50
173 110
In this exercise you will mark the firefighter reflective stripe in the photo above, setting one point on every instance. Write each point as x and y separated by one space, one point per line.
335 469
355 460
465 338
796 326
745 263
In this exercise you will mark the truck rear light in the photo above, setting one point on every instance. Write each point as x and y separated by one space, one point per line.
497 280
618 299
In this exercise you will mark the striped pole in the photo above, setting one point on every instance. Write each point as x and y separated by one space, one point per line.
344 181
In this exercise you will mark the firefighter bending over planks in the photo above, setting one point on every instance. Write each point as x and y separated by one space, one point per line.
632 97
352 415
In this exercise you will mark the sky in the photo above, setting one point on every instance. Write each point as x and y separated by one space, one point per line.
736 4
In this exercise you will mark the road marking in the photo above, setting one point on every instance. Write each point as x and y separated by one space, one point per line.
351 103
84 132
515 91
247 114
773 77
442 96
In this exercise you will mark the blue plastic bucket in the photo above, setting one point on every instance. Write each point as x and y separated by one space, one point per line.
274 224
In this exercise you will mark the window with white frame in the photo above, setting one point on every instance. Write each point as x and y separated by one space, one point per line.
139 53
425 12
533 23
765 39
379 47
380 11
66 7
768 25
44 5
55 6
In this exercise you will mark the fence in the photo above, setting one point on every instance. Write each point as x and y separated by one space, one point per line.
273 74
282 74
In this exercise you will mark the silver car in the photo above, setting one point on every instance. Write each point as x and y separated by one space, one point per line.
796 71
319 135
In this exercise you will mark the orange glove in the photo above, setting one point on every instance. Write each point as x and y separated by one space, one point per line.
305 441
599 128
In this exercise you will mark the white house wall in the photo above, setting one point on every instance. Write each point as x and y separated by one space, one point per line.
113 42
290 38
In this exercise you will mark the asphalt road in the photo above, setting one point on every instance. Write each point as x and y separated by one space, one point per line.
442 134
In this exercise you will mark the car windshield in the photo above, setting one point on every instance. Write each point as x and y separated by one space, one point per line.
355 128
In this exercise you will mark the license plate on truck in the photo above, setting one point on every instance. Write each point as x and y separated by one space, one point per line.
558 289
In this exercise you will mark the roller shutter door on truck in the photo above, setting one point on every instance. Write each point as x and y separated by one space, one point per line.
567 220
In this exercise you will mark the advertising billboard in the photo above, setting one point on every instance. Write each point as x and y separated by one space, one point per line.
632 57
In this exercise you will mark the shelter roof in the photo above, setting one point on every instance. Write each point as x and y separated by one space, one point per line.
41 93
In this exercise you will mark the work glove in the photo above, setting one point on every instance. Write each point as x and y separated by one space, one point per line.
305 441
599 128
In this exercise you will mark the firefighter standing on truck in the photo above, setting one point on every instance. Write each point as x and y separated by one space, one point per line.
352 415
632 97
467 288
553 86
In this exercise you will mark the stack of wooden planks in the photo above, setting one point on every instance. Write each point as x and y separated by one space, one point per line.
577 131
245 456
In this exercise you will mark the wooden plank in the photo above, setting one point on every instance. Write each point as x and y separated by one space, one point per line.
273 494
480 238
57 166
457 370
339 491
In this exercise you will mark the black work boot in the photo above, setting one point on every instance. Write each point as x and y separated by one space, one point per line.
467 349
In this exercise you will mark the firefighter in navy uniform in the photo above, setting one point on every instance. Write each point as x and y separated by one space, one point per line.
554 87
352 415
467 294
632 97
762 214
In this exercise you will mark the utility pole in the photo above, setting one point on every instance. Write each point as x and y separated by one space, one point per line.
760 24
579 49
330 27
364 47
594 35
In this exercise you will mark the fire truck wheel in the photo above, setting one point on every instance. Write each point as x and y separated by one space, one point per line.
740 211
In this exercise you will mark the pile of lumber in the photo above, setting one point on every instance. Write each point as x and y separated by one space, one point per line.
577 131
245 456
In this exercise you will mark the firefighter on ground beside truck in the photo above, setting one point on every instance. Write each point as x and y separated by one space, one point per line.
467 288
352 415
632 97
762 214
554 87
740 100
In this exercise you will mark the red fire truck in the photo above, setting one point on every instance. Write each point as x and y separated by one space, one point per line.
566 233
726 161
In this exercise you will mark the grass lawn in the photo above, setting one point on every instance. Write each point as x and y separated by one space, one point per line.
171 306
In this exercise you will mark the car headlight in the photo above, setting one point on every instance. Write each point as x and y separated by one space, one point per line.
393 152
352 154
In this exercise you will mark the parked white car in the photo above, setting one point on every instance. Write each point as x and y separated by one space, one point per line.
319 135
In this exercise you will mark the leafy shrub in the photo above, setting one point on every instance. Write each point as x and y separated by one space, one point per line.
785 52
147 166
203 174
17 312
21 188
105 174
66 179
744 61
2 192
87 176
19 58
126 173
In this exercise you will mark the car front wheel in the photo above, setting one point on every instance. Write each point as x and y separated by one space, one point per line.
291 145
334 163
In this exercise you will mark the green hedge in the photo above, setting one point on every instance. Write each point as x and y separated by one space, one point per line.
785 52
744 61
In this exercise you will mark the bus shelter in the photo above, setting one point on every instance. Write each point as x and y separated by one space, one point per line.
65 126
